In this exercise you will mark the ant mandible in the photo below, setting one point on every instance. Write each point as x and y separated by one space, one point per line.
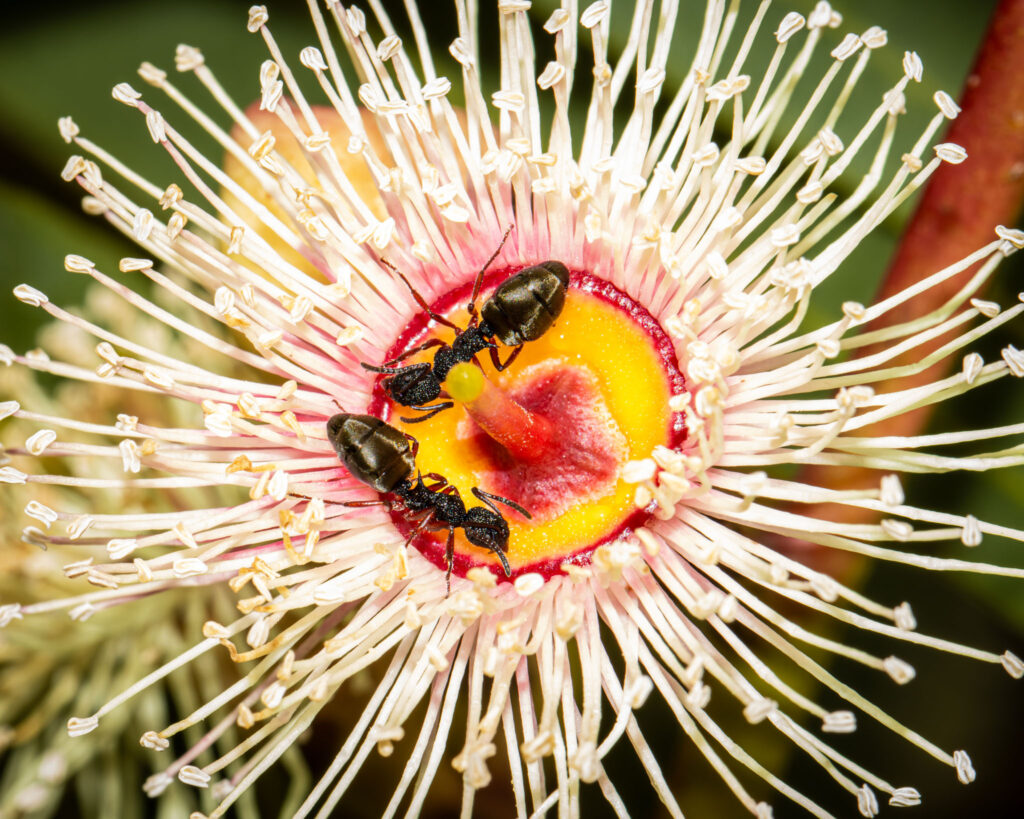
521 309
384 458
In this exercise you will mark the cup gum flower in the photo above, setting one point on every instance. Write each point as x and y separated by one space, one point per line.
709 214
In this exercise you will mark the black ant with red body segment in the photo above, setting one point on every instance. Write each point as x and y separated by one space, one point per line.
384 458
522 309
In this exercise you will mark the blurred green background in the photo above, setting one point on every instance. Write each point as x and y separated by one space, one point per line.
62 58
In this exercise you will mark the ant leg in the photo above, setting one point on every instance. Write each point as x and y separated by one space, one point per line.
471 307
420 527
419 299
297 495
373 368
442 487
361 504
442 481
451 489
430 412
496 361
487 497
504 561
419 348
449 559
414 445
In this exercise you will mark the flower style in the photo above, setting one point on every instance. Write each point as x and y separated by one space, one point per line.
703 210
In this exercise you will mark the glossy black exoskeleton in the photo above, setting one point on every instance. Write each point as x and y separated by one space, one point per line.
384 458
521 309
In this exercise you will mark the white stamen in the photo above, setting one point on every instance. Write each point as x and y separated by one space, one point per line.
905 798
38 442
839 722
904 617
29 295
1013 664
10 612
527 585
964 768
899 670
867 802
80 726
196 777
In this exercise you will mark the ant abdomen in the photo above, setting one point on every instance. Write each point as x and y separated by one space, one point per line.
374 452
525 305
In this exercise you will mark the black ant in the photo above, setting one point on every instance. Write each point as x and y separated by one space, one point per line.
522 309
384 458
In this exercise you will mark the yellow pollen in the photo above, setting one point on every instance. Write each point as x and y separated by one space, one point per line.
465 382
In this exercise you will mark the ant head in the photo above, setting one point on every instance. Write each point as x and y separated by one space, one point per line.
486 528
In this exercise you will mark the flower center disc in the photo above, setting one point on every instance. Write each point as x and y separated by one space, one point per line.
602 376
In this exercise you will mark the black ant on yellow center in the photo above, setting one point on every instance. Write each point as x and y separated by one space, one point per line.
384 458
521 309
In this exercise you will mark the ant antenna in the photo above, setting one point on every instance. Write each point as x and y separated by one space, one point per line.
504 561
471 307
419 299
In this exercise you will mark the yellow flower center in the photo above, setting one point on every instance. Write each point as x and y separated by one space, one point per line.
600 380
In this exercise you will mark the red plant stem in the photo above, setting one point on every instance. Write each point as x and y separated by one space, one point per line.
960 207
963 203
